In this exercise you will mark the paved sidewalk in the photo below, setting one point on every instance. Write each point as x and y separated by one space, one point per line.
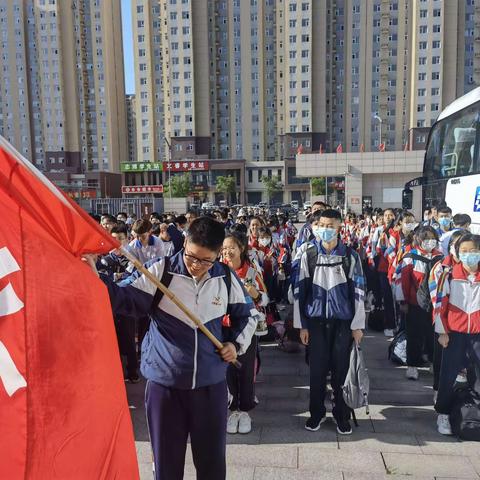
398 440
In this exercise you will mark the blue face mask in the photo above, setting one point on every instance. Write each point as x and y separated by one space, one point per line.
324 234
444 221
470 259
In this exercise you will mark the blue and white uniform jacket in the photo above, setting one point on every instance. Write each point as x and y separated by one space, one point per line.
174 352
329 295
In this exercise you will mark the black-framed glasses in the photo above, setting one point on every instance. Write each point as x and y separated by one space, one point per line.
199 261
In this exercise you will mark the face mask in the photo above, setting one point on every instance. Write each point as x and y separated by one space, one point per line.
429 245
264 242
470 259
408 227
444 221
324 234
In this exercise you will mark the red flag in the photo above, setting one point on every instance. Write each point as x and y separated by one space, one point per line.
381 147
362 148
339 148
63 409
300 149
321 149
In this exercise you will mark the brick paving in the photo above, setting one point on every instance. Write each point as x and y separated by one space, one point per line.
397 440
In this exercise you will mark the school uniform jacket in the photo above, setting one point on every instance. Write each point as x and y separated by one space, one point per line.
329 295
410 275
248 273
458 302
152 250
435 280
174 352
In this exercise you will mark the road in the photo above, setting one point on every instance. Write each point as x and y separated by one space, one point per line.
397 440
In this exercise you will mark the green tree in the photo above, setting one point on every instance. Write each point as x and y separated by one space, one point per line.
181 185
318 185
272 185
227 186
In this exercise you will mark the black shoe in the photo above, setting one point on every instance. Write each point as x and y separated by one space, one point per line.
343 427
133 379
313 424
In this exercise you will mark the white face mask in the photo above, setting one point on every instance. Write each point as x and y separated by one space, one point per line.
429 245
265 242
409 227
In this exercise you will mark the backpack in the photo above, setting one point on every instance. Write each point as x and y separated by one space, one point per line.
423 292
376 319
357 384
465 414
397 350
312 256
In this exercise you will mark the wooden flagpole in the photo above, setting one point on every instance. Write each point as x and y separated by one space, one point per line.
167 292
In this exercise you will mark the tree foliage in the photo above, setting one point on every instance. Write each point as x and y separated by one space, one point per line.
318 185
181 185
272 185
226 185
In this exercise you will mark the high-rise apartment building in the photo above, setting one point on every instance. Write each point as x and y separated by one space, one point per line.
392 66
259 79
131 127
206 78
62 89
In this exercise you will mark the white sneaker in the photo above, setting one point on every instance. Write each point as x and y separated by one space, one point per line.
443 424
232 422
461 378
388 332
412 373
244 423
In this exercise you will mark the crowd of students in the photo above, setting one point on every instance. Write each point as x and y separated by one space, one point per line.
421 276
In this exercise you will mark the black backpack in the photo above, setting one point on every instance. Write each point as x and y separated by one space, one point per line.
376 320
423 293
465 414
397 350
312 256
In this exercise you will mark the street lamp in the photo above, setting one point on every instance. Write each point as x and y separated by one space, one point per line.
376 117
346 174
169 167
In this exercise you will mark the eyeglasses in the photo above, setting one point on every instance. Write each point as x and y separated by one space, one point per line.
198 261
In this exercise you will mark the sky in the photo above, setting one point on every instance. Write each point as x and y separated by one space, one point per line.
128 46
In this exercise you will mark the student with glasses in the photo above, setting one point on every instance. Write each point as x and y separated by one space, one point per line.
186 392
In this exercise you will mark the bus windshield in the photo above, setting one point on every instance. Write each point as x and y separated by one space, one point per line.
453 146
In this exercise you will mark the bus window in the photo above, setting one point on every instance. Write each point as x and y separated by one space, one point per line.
451 150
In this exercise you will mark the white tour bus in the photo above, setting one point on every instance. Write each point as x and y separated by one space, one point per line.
451 170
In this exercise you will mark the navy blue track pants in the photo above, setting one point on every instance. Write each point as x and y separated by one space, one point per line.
174 414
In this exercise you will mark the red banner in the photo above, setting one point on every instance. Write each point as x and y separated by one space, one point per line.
142 189
63 408
185 166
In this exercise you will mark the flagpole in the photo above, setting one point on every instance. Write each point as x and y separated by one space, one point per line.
139 266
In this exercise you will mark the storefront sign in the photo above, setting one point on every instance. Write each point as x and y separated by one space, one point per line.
185 166
140 166
142 189
85 194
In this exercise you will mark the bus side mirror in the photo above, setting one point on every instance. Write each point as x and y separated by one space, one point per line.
407 198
